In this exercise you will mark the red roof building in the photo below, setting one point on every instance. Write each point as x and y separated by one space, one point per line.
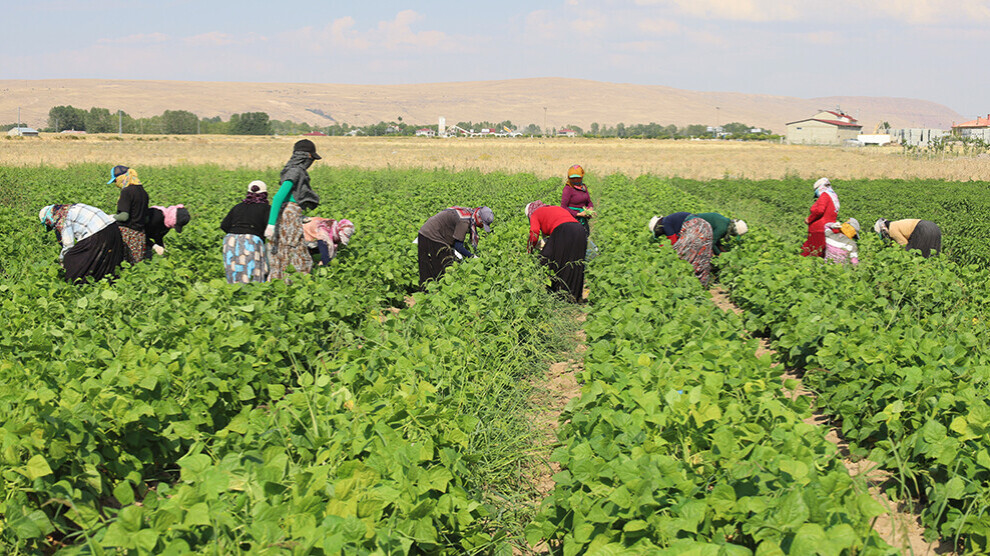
315 134
828 127
978 123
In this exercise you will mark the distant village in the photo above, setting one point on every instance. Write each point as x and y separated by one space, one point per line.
827 127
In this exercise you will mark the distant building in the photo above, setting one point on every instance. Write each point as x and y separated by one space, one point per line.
827 127
565 132
974 128
315 134
72 132
425 132
22 132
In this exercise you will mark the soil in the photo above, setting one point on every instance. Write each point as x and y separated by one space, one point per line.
551 394
901 526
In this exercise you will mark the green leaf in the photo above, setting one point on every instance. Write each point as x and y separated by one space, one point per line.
36 467
124 493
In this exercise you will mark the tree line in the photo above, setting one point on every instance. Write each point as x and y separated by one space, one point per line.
183 122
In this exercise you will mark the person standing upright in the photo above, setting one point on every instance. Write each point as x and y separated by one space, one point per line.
286 245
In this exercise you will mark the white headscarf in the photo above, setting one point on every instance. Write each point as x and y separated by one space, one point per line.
825 186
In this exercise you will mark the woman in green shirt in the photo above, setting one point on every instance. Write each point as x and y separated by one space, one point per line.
286 244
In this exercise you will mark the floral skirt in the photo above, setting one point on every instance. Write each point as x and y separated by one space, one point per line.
244 258
136 243
694 245
288 247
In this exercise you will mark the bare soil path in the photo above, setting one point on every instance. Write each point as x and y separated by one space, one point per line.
901 526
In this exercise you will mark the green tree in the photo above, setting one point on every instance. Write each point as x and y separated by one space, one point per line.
66 117
736 128
250 123
179 122
100 120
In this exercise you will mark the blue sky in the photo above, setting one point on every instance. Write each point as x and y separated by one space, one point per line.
929 49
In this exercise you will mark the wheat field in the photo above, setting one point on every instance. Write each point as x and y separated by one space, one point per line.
542 157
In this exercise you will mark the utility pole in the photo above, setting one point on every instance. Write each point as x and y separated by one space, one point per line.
716 120
544 121
18 117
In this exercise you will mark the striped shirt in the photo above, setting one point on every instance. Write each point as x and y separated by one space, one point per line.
82 221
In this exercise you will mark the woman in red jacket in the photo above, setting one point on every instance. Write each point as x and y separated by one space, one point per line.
566 244
824 211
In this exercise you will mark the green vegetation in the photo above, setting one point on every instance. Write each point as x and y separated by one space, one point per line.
171 412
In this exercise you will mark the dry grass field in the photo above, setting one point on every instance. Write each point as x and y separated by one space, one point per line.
543 157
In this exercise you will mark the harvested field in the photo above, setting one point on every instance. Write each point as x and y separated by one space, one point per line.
543 157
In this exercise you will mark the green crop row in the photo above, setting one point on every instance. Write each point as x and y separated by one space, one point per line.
171 412
896 350
682 441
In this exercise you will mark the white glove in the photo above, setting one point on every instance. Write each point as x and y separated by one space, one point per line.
159 250
269 231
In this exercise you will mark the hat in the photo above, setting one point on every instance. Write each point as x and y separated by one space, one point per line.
116 172
653 224
257 186
306 146
486 216
575 172
181 219
741 227
854 223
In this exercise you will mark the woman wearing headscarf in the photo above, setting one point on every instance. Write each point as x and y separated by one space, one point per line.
326 236
576 198
92 246
840 242
132 210
244 255
566 243
441 239
286 245
722 228
160 221
912 233
824 210
692 239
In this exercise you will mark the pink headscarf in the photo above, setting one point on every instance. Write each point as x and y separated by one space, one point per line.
169 213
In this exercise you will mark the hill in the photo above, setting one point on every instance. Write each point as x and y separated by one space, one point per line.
560 101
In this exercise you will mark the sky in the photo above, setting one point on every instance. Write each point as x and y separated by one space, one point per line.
927 49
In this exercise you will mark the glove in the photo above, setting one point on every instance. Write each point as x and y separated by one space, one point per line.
269 231
158 249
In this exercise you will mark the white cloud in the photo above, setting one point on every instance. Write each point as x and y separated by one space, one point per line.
740 10
659 26
927 12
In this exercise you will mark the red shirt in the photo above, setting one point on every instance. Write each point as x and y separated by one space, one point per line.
545 220
822 212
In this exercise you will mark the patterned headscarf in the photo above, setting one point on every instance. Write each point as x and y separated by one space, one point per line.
128 177
257 193
575 177
882 227
53 216
474 218
531 208
825 186
170 214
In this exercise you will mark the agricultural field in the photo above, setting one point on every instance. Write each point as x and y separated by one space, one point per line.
700 160
346 412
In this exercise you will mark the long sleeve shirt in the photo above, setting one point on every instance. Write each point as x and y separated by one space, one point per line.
575 198
283 196
82 221
134 201
545 220
720 227
246 218
901 230
822 212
